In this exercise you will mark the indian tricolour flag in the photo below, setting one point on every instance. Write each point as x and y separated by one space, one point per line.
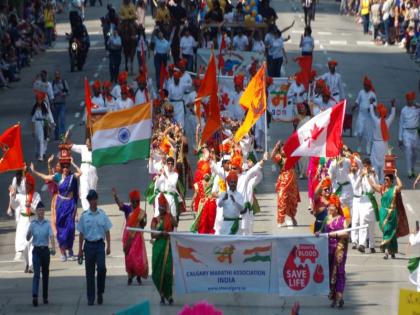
122 136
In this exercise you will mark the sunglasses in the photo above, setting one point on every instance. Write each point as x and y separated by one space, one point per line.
65 166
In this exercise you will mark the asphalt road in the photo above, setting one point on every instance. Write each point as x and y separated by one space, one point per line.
372 283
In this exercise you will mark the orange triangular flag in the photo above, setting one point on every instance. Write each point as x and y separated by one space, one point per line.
254 99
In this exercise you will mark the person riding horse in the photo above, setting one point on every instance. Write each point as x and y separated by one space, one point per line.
128 31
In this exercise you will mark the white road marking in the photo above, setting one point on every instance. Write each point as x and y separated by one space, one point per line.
321 46
344 84
71 126
100 67
95 75
300 15
325 52
338 42
350 95
296 32
317 42
365 43
104 59
345 34
82 104
324 33
44 187
77 115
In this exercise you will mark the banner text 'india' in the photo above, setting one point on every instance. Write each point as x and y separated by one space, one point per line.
122 136
288 266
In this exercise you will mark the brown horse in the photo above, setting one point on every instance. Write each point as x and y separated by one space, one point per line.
128 32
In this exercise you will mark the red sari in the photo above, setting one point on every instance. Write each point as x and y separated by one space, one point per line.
136 263
287 192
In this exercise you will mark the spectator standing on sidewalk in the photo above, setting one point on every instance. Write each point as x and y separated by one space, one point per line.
41 233
49 24
94 227
365 14
61 90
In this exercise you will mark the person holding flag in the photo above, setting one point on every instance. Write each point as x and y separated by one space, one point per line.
334 81
414 262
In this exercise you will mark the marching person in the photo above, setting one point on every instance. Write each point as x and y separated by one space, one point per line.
89 178
176 92
142 94
25 211
166 183
234 110
134 248
334 82
363 130
380 136
97 99
339 171
65 205
114 45
94 226
414 262
124 102
41 233
61 90
232 203
408 137
122 81
42 120
187 45
162 268
18 186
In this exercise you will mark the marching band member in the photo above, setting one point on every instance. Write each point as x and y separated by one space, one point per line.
125 102
176 92
142 94
97 98
122 80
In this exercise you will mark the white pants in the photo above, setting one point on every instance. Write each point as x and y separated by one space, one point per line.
411 144
226 227
219 220
21 244
179 114
355 220
415 278
88 181
247 223
367 216
172 206
364 129
377 157
41 143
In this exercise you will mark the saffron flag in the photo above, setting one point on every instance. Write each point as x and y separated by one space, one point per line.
254 99
209 88
305 64
320 136
88 99
11 150
122 136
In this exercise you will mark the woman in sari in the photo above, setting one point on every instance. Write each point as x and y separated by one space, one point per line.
337 249
64 206
388 213
286 188
134 248
204 202
161 255
321 201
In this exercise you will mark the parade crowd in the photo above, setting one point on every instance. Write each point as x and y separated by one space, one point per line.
353 189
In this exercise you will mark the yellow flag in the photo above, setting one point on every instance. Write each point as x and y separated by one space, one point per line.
254 99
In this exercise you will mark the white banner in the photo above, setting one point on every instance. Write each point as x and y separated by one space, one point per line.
275 265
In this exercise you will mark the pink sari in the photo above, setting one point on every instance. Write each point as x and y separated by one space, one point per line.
136 263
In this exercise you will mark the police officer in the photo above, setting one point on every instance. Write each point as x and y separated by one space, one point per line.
41 233
94 226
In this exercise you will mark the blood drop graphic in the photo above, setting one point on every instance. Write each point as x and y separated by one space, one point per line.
319 274
296 277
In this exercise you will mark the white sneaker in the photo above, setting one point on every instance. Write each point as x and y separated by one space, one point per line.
18 256
63 258
72 258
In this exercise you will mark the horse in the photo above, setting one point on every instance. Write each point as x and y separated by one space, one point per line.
128 31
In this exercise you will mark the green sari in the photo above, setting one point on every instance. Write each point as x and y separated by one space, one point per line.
388 220
162 259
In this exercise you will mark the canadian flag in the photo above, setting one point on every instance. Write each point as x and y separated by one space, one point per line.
320 136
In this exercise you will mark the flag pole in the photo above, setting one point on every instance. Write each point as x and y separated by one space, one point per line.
265 112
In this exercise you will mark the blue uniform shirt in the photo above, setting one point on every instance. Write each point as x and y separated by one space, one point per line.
94 225
41 232
162 46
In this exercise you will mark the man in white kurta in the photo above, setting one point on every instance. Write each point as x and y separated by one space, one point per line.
124 102
89 177
232 203
219 187
142 94
23 218
176 92
247 223
339 172
379 145
166 183
334 82
408 136
363 128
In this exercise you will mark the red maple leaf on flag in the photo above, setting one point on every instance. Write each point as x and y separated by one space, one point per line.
315 133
